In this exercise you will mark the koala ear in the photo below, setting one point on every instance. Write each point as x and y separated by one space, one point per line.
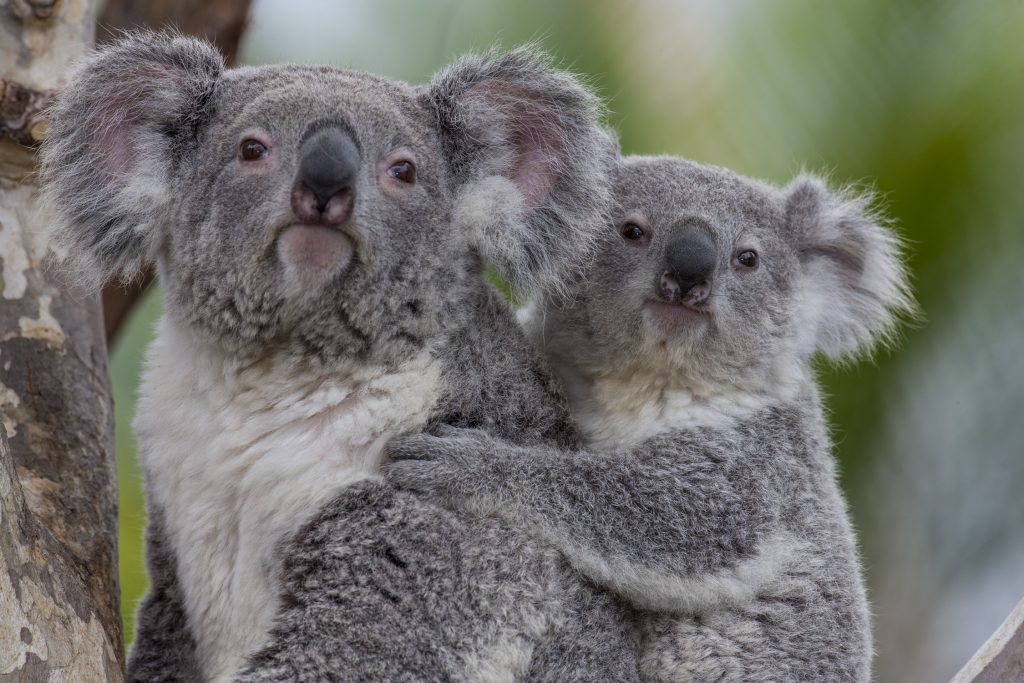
856 289
530 160
119 129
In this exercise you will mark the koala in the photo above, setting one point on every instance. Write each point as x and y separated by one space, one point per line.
706 495
320 236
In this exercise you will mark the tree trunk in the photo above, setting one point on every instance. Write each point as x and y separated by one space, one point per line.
222 22
59 615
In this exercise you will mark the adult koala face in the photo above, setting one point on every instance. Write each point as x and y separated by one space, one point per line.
721 280
327 212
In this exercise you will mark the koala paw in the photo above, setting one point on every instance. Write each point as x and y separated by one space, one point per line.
445 465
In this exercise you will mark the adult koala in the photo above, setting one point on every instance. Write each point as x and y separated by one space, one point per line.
320 237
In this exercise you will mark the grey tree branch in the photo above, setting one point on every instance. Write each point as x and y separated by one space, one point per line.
58 499
1001 658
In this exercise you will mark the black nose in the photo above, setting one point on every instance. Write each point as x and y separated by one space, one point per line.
329 162
689 266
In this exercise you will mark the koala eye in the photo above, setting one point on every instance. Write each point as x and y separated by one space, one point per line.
634 233
252 150
403 171
747 258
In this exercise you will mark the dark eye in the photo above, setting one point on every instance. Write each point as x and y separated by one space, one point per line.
747 258
633 232
403 171
252 150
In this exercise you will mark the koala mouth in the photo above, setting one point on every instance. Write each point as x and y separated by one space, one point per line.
313 254
676 318
679 308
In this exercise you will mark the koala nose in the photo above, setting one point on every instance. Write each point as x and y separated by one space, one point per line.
325 185
689 265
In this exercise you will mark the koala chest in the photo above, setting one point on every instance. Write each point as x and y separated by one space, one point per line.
618 413
239 460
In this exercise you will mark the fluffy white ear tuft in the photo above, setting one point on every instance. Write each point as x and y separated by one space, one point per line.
129 115
856 289
530 160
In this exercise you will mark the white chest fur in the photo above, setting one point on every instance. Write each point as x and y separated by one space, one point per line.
617 412
238 458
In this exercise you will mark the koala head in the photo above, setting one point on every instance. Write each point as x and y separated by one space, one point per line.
322 211
725 282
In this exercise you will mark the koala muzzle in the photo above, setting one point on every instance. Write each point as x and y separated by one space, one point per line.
324 190
689 267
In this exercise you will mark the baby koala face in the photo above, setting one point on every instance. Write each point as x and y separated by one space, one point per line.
719 281
699 261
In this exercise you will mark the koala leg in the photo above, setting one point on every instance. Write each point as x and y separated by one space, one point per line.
385 586
163 651
694 651
775 639
596 641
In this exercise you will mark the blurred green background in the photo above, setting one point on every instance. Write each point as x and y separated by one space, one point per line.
924 100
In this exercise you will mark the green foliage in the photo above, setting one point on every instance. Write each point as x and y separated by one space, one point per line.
126 361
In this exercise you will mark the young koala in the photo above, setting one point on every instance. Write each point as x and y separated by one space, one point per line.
320 236
706 496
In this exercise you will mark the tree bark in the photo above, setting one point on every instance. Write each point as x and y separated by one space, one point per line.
222 22
1001 659
59 613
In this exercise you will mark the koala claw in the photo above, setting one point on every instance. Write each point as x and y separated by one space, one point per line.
418 476
446 466
425 464
454 443
419 446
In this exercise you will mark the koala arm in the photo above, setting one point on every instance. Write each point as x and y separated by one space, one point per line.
679 520
384 585
163 650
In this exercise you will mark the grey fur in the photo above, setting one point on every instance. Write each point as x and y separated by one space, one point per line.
512 165
726 531
136 167
163 650
435 596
